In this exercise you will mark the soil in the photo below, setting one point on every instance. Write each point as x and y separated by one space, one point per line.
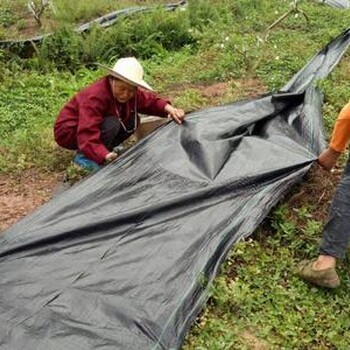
22 194
214 93
317 189
253 342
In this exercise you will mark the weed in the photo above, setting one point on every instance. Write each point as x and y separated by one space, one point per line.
21 24
191 99
144 37
7 17
62 49
75 173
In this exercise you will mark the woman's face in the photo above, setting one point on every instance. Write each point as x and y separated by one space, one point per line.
122 91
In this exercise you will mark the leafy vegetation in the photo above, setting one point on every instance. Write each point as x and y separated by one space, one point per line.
259 303
256 302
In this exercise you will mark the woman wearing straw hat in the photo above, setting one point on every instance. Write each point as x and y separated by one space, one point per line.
104 114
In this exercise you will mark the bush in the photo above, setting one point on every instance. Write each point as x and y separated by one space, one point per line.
202 13
62 48
7 18
144 37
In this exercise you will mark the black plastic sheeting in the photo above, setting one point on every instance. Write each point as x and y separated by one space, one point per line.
104 21
123 259
341 4
112 17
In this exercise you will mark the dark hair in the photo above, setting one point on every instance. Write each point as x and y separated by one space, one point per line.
112 77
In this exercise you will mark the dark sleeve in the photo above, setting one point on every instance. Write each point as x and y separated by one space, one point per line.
149 103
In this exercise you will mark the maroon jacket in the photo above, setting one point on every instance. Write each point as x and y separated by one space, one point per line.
78 123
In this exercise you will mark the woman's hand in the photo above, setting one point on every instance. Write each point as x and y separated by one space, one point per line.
174 113
328 158
110 157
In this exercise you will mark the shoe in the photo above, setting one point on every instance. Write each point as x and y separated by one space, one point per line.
85 163
119 149
324 278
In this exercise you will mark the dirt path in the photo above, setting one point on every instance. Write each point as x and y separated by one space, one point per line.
22 194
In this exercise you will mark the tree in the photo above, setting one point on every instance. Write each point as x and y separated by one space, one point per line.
38 9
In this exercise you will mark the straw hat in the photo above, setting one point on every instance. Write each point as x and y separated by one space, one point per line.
129 70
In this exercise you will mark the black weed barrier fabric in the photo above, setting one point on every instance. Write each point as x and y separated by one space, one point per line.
341 4
123 259
103 21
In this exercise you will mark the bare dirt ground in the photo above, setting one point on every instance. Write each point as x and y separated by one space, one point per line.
22 194
214 93
317 189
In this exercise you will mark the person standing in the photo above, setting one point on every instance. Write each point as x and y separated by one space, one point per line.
336 232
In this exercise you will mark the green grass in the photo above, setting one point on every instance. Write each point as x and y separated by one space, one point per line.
264 302
70 11
257 300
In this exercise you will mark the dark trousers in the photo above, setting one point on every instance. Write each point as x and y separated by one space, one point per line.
109 132
336 233
113 133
